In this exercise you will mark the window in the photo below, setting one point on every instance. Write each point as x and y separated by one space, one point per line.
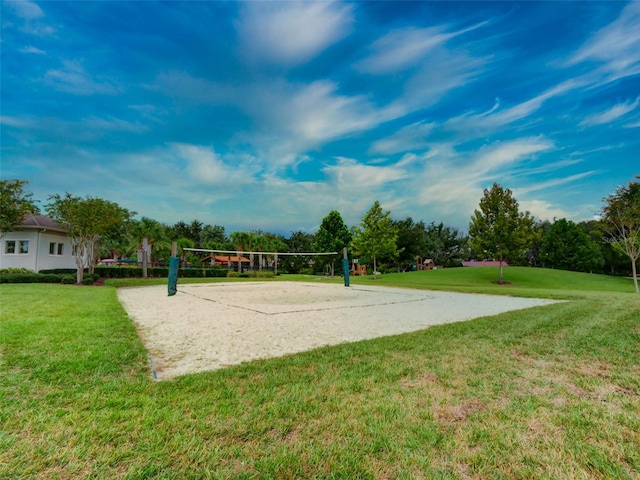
10 246
56 248
16 246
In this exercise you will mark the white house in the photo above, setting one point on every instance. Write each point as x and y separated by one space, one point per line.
39 243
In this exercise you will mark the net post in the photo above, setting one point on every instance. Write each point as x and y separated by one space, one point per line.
345 267
173 270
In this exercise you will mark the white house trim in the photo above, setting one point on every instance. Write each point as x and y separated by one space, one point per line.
40 232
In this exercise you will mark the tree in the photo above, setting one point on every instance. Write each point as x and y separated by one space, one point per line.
299 242
332 236
614 262
15 204
89 220
155 232
568 247
444 244
499 230
377 236
621 219
411 237
213 237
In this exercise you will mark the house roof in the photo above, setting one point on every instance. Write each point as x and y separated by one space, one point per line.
42 221
484 263
225 258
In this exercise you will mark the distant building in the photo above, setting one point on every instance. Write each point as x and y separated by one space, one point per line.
484 263
38 243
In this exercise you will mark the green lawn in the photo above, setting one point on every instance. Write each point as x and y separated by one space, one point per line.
549 392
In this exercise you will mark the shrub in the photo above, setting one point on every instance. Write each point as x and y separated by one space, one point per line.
68 279
14 270
30 278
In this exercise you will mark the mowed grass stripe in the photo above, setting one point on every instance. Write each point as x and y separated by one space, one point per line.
550 392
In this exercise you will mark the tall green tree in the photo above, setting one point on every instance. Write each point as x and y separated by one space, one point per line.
155 232
89 220
299 242
615 262
15 204
376 237
498 229
410 243
333 235
566 246
444 244
621 220
213 237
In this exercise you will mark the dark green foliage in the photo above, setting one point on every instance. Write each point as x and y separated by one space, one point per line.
377 236
445 245
30 278
410 243
621 221
568 247
498 229
15 204
332 236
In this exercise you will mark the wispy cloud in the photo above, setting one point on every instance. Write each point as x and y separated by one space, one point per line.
499 155
555 182
412 137
497 117
32 17
406 48
615 47
204 166
347 171
73 78
291 33
611 114
33 50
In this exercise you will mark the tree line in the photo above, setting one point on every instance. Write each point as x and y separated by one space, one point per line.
498 230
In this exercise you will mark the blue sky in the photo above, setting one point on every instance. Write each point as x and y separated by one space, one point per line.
268 115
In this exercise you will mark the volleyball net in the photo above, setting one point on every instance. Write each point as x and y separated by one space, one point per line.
241 260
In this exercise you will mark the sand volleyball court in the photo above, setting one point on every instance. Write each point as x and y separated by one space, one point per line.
211 326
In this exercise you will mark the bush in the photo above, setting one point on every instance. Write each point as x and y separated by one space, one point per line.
30 278
68 279
15 270
61 271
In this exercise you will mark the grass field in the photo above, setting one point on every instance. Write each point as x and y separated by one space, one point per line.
550 392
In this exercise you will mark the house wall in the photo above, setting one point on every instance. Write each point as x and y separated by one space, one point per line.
39 257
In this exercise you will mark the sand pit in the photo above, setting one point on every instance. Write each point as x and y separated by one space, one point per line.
212 326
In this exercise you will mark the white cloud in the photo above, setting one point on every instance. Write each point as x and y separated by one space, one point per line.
400 49
32 17
543 210
292 32
33 50
611 114
406 48
25 9
496 117
73 78
617 45
411 137
501 154
556 182
14 122
205 167
348 172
